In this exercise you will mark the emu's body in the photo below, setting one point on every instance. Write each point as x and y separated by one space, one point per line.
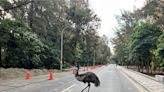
88 77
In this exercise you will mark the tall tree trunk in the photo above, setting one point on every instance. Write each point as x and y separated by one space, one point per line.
30 15
0 56
138 68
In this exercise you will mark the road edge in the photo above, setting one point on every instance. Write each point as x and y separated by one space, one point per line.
138 85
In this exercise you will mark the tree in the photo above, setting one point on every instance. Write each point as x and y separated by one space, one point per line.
22 48
31 38
138 35
153 11
159 53
143 41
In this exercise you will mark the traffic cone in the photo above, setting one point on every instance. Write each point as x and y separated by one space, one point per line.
27 75
73 71
51 75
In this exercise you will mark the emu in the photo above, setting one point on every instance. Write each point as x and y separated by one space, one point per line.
88 77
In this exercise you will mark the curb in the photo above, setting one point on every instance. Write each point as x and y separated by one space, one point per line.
152 78
145 88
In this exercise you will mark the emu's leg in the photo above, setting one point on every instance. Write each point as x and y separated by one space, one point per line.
89 85
85 88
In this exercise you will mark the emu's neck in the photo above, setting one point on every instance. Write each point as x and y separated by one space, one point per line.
77 72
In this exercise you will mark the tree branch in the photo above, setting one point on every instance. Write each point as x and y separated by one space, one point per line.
14 7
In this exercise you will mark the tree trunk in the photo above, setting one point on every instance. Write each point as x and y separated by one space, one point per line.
0 56
138 68
30 15
147 69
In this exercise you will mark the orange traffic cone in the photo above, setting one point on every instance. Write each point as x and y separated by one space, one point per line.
27 75
73 71
51 75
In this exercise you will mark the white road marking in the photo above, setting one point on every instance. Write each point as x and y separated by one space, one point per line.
68 88
53 90
129 88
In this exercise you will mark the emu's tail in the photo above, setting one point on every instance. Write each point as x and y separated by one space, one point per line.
97 81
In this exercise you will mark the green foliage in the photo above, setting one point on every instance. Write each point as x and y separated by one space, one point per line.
22 48
143 40
32 40
78 51
139 37
159 52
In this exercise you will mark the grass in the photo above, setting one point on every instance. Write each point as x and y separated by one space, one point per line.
12 73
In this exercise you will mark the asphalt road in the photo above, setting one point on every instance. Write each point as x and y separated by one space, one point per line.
110 77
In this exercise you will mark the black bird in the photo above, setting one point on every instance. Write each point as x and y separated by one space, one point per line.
88 77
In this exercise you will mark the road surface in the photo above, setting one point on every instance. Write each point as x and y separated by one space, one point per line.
110 77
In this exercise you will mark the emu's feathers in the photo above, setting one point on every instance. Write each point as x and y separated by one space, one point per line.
88 77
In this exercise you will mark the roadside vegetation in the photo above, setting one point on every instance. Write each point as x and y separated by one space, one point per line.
20 73
139 41
30 34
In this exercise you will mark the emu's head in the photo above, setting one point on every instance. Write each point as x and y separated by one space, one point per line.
77 65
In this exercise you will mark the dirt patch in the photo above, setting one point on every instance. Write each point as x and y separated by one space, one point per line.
12 73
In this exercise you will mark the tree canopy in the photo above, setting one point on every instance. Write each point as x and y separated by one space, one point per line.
31 37
139 37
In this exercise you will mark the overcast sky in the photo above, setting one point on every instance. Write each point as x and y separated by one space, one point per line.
107 9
